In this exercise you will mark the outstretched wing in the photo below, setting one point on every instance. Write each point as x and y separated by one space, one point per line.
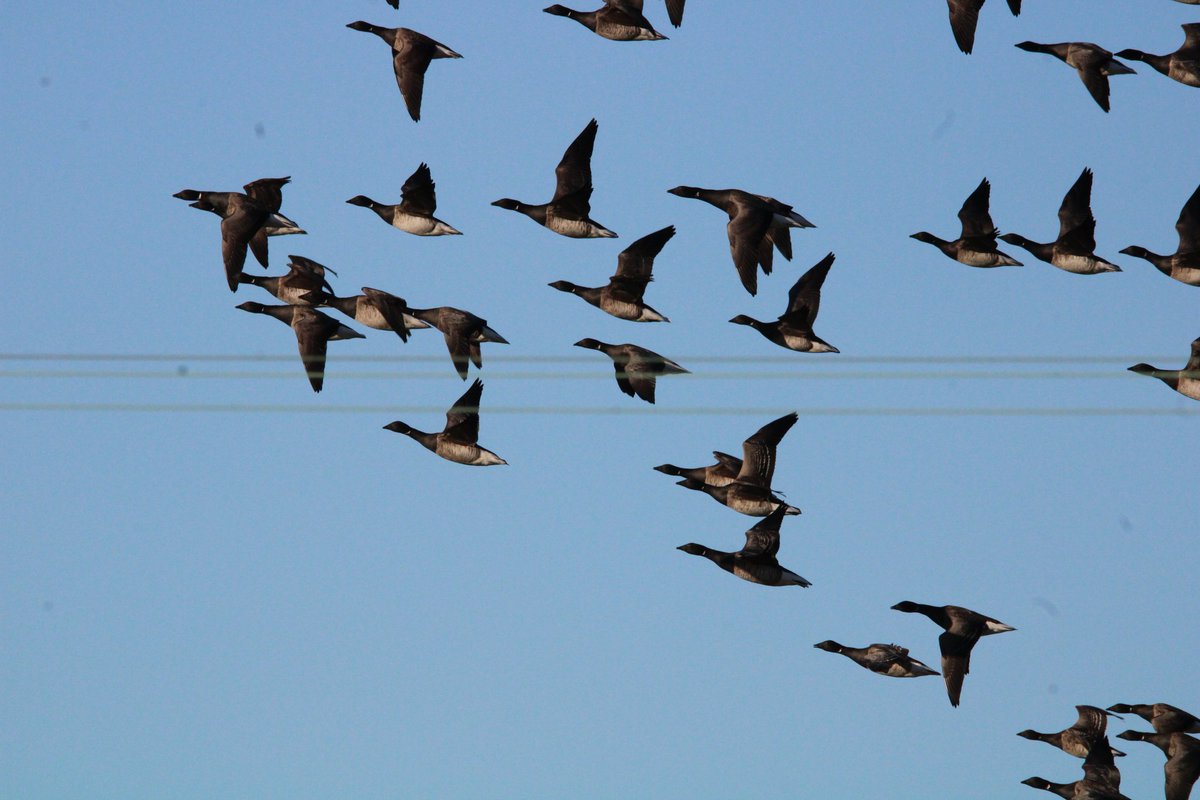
574 172
804 299
462 420
758 452
763 538
417 196
974 216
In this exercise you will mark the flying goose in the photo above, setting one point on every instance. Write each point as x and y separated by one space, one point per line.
464 333
757 224
1093 63
414 213
1074 248
636 367
619 20
1163 717
964 16
962 627
568 211
1183 759
1183 65
622 297
313 330
885 659
459 440
1184 264
304 277
1101 779
1078 739
793 330
1186 381
376 309
411 54
724 472
976 247
755 562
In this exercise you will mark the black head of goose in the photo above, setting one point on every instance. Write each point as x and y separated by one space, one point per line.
1078 739
756 561
963 628
411 54
464 333
1183 65
793 329
618 20
976 246
758 225
1093 63
1074 249
414 213
313 330
1163 717
636 367
568 212
1186 381
883 659
622 296
1184 264
459 440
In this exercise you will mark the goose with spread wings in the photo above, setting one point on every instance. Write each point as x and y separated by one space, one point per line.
313 330
414 213
963 628
464 334
459 440
637 368
618 20
794 328
622 297
412 53
976 247
756 561
1074 249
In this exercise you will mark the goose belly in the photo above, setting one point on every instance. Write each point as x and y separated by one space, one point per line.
624 33
410 223
470 454
576 228
1081 265
1189 387
976 258
1188 275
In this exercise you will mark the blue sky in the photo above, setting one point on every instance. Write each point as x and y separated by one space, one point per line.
281 599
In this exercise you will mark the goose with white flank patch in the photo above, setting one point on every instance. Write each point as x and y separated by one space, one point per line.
962 627
622 297
414 213
891 660
756 561
976 246
568 212
1074 249
411 54
304 278
1078 739
376 309
794 328
459 440
618 20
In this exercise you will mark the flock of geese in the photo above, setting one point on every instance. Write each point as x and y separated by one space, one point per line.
758 226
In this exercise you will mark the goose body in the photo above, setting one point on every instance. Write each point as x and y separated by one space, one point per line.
412 53
304 278
376 309
1078 739
1183 65
1073 250
1186 381
1093 63
459 440
568 212
883 659
636 367
618 20
414 213
794 328
756 561
464 333
622 296
963 628
313 330
976 246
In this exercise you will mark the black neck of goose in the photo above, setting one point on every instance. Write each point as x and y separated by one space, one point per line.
536 213
346 305
427 440
1043 251
585 18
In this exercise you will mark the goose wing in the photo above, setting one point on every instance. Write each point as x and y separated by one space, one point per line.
462 420
1188 225
804 299
763 539
974 216
417 196
574 172
758 452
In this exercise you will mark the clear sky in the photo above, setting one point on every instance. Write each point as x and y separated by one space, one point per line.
279 599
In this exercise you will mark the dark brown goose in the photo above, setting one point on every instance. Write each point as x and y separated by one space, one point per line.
1074 248
619 20
1093 63
1183 65
976 246
622 297
722 473
414 213
636 367
756 561
750 491
304 282
459 440
1078 739
241 219
464 334
568 212
794 328
1101 779
1183 759
411 54
884 659
376 309
962 627
1186 381
313 330
757 226
1184 264
1163 717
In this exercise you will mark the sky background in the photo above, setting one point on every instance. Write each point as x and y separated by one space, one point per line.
216 583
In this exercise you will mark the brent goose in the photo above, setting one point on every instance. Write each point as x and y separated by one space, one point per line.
1101 779
411 54
793 329
963 628
313 330
1183 759
636 367
1183 65
622 297
1186 381
304 278
756 223
720 474
459 440
619 20
464 333
1184 264
976 247
414 212
1073 249
1078 739
885 659
568 211
1164 718
750 491
964 16
1093 63
374 308
755 562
